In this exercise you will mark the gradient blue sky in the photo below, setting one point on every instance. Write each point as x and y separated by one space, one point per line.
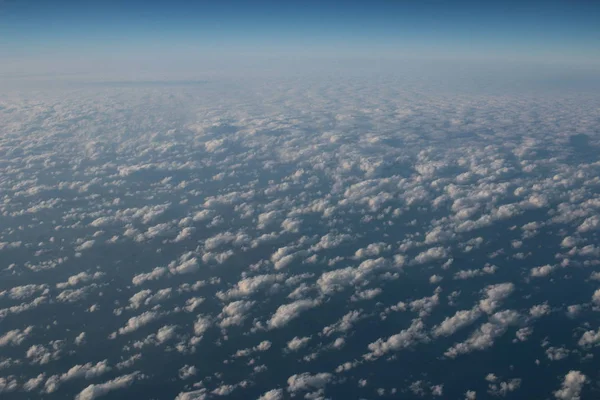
35 35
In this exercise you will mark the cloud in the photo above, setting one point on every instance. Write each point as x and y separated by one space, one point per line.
493 296
307 381
187 264
156 274
432 254
408 337
332 281
85 371
542 271
485 335
344 324
98 390
15 337
288 312
571 386
85 245
135 323
235 313
460 319
249 286
273 394
297 343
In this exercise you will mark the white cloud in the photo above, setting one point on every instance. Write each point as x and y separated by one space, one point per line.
306 381
485 335
273 394
542 271
571 386
297 343
15 337
493 296
289 312
135 323
460 319
408 337
98 390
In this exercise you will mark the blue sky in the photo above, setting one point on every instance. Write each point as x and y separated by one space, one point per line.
51 32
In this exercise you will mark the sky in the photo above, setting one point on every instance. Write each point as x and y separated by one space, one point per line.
299 200
76 36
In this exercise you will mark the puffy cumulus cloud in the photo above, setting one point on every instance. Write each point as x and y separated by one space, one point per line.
235 313
291 225
589 338
202 324
85 371
202 215
288 312
438 235
572 386
557 353
40 354
24 291
8 384
75 295
82 277
407 338
187 371
282 257
138 299
224 238
33 383
262 346
224 390
156 274
485 335
459 320
306 381
166 333
80 339
267 218
184 234
542 271
596 297
23 307
502 389
273 394
135 323
332 281
367 294
523 334
251 285
85 245
102 389
432 254
128 363
330 241
344 324
15 337
590 224
472 273
199 394
494 295
193 303
425 305
539 310
186 264
297 343
372 250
